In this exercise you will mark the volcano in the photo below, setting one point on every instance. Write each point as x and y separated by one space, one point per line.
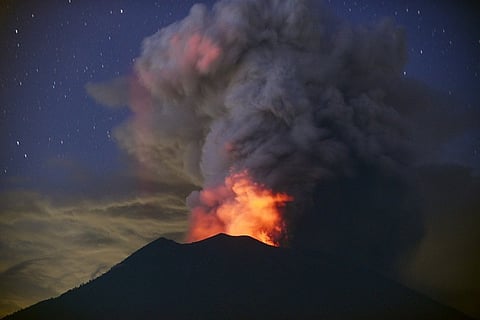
225 277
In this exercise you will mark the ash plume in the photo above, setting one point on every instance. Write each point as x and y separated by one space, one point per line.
308 105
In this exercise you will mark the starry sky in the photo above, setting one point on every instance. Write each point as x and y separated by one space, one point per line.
72 204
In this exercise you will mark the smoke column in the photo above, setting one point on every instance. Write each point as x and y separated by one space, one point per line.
283 94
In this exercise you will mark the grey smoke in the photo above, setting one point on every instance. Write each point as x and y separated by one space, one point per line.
288 98
307 104
113 93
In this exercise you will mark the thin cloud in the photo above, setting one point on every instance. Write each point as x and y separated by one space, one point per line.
48 248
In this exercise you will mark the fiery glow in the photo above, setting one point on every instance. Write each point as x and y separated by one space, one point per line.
195 50
239 207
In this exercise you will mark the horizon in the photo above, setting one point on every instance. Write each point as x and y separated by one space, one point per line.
148 263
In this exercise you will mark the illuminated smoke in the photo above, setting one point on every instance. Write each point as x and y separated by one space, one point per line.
239 207
284 91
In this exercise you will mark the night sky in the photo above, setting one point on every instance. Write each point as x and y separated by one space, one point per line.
72 203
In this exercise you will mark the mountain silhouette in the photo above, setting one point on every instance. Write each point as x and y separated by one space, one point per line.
225 277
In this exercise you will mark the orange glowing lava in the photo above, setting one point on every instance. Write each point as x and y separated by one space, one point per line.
240 207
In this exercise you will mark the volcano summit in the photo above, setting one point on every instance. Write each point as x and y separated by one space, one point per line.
225 277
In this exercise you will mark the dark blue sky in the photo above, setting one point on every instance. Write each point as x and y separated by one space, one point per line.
51 51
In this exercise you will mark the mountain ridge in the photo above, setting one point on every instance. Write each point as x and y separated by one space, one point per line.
236 278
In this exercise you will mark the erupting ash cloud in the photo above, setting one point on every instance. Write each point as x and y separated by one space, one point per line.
239 207
285 96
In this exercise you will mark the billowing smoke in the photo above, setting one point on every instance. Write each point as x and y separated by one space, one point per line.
305 104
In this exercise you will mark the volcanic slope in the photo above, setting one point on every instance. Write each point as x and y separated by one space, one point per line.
225 277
